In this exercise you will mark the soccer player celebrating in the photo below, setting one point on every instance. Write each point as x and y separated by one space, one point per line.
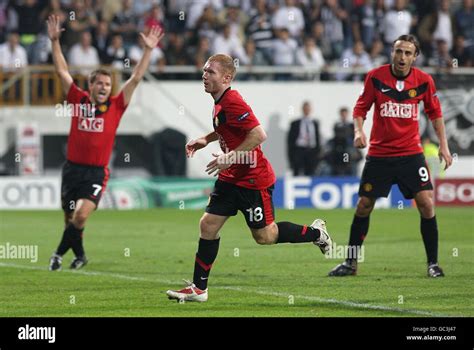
245 181
95 119
395 153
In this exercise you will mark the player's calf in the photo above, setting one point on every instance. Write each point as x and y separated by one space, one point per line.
267 235
315 233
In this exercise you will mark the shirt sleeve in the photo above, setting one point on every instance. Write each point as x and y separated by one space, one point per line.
119 100
241 116
366 98
75 94
431 101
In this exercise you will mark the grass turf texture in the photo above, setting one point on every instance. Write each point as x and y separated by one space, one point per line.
247 279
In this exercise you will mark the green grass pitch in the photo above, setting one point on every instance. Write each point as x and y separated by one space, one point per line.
247 279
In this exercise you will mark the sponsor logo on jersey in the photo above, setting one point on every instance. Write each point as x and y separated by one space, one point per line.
399 110
91 124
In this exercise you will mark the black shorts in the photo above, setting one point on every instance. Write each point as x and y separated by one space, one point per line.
410 173
82 181
256 205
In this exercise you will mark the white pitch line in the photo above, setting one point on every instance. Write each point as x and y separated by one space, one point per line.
350 304
341 302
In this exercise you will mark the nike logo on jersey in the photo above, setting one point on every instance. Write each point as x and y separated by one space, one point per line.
243 116
399 95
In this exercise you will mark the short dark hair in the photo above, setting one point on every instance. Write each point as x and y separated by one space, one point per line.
343 109
100 71
410 38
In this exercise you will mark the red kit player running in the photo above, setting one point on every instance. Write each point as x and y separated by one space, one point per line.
245 181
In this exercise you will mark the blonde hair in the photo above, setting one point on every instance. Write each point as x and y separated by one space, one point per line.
226 62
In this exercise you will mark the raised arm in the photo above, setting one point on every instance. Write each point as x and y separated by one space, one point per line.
54 33
150 40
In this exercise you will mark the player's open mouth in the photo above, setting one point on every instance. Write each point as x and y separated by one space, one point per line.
102 94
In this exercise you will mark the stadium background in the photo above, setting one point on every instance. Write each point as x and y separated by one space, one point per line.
320 62
275 75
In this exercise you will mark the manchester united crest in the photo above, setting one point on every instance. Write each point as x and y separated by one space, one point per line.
102 108
412 93
367 187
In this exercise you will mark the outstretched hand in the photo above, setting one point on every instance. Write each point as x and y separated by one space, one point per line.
153 37
194 145
54 27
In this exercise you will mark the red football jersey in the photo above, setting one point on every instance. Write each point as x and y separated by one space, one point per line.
395 129
233 119
93 128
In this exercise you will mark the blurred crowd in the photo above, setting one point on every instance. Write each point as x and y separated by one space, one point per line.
308 33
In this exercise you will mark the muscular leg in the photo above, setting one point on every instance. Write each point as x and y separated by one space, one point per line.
428 224
285 232
424 203
360 225
266 235
359 230
208 247
84 208
65 243
74 227
67 218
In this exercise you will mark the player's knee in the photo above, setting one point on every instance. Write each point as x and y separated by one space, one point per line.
266 236
263 239
426 206
208 227
79 219
426 203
